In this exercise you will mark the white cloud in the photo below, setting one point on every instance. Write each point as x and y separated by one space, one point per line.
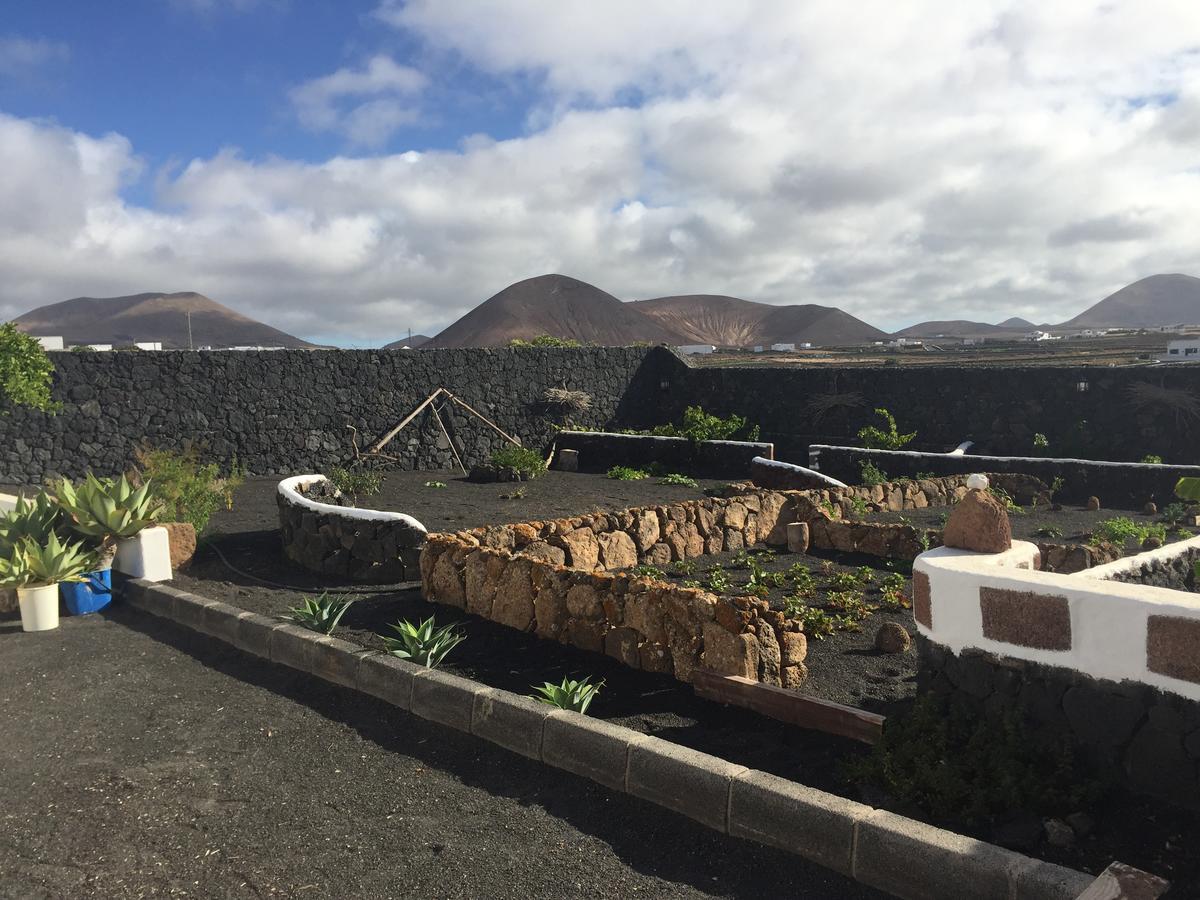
21 55
903 161
367 105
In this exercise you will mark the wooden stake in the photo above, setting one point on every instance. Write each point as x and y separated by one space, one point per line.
449 440
485 419
379 444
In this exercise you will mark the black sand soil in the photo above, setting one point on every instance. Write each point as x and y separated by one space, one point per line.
142 760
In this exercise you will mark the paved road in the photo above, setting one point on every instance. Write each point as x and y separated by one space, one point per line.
138 760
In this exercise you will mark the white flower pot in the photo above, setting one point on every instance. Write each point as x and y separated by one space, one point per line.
146 555
39 607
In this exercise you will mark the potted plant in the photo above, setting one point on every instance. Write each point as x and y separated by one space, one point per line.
36 520
36 570
119 517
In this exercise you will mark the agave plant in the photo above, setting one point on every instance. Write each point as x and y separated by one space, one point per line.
109 508
574 695
33 519
31 564
320 613
423 644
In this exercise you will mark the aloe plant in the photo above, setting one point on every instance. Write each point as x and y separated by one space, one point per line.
423 644
107 509
570 694
32 564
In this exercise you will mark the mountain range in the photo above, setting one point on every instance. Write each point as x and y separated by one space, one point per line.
565 307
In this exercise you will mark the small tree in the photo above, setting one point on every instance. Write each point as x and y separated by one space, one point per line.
25 369
879 439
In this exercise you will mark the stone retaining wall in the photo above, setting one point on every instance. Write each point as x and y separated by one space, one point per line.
360 544
559 579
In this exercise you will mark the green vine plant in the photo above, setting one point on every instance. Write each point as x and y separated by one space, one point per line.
25 370
874 438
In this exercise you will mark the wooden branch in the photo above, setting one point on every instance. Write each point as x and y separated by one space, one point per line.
789 706
449 440
1122 882
485 419
379 444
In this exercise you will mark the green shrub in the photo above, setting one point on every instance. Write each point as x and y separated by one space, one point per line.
858 506
1153 458
1040 442
435 484
1006 499
697 425
717 582
1174 513
684 567
320 613
681 480
1122 530
529 463
576 696
816 623
884 438
25 369
423 644
627 473
951 763
872 474
189 490
356 483
1049 531
545 340
648 571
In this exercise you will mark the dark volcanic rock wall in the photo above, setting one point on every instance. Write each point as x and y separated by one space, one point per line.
288 411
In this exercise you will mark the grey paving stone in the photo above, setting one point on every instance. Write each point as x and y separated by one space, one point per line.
254 634
220 620
444 698
293 646
337 660
511 721
685 780
190 610
388 678
589 747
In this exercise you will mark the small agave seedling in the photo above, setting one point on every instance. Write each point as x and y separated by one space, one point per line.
320 613
423 644
570 694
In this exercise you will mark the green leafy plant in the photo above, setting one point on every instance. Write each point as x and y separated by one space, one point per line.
107 509
1153 458
1040 442
691 583
887 438
570 694
356 483
1005 499
697 425
844 581
681 480
545 340
740 560
34 519
1188 488
528 463
435 484
187 489
627 473
872 474
320 613
1123 530
816 623
852 605
684 567
33 564
717 581
1055 486
423 644
1049 531
858 506
1175 513
25 370
645 570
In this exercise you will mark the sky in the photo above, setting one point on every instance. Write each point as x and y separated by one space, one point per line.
347 171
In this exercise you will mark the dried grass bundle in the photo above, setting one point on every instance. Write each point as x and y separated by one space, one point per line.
566 399
821 405
1142 395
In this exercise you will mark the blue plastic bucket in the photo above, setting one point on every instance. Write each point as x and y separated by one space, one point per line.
87 596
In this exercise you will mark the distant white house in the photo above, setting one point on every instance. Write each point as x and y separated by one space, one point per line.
805 345
148 345
690 349
51 343
759 348
1187 350
1042 336
249 347
906 342
784 348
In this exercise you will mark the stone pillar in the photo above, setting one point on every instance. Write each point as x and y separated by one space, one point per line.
797 537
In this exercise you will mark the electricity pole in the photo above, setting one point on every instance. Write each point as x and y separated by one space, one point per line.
189 318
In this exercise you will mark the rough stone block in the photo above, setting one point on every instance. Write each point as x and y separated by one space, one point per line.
337 660
388 678
589 747
730 654
922 599
685 780
514 723
189 610
444 698
1026 618
156 599
781 813
254 634
1173 647
222 621
293 646
797 537
911 859
622 644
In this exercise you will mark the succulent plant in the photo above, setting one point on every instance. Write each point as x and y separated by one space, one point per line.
107 508
31 563
34 519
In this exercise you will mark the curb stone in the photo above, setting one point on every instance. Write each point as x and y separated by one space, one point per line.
900 856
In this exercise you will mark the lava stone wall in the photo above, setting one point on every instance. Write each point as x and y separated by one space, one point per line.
1126 734
1176 572
598 452
289 411
1117 417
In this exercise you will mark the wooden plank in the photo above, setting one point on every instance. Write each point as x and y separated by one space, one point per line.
483 418
789 706
379 444
1122 882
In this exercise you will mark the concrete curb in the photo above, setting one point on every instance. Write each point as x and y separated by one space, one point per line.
901 856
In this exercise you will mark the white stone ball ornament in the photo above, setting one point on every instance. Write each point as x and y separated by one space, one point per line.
977 482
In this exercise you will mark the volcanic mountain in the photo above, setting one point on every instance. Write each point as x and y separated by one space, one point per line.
412 343
960 328
556 305
153 317
1156 300
733 322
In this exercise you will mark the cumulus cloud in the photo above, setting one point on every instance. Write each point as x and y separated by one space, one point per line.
22 55
367 105
902 161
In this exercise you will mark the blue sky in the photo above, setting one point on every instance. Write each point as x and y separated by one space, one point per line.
349 170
